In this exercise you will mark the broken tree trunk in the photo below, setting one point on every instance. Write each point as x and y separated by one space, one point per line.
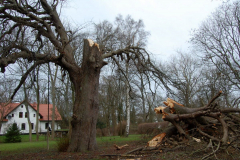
210 123
85 109
185 119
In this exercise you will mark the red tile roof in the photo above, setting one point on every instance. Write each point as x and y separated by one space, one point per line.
4 110
43 110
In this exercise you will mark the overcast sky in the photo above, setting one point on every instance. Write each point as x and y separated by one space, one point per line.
168 21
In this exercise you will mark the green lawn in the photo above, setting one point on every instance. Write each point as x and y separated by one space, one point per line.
118 139
34 146
25 138
24 146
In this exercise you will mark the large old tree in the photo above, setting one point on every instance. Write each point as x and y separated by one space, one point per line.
28 26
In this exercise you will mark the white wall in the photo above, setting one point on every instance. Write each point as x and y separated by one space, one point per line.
43 125
22 120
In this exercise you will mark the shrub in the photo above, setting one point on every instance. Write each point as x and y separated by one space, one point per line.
62 144
152 128
121 128
102 132
13 134
101 124
101 128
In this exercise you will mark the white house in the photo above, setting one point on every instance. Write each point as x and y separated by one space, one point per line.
17 112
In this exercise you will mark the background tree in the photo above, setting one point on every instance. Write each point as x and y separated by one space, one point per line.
37 92
53 78
64 100
185 72
5 93
26 103
27 86
210 82
108 102
126 32
152 101
141 83
218 39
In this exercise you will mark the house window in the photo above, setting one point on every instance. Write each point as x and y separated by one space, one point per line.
23 126
21 106
12 115
20 114
34 115
46 125
32 125
25 114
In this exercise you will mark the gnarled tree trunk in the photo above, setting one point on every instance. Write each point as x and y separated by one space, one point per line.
85 109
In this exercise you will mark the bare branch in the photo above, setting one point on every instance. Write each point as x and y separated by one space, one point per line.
24 77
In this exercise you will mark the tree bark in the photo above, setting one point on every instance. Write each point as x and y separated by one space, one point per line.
28 118
143 99
29 122
38 102
127 100
85 109
53 92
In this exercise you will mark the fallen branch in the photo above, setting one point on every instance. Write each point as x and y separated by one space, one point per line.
120 147
172 149
187 124
214 151
134 150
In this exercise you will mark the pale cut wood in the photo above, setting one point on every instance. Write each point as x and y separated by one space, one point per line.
120 147
156 140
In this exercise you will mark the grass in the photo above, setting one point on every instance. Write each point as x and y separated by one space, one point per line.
34 146
25 138
118 139
26 146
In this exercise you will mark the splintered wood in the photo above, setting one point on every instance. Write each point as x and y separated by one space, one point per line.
156 140
169 104
162 110
120 147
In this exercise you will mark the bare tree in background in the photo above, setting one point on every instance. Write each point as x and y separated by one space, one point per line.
36 87
141 86
108 102
5 92
218 39
212 81
27 86
185 72
126 32
26 103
